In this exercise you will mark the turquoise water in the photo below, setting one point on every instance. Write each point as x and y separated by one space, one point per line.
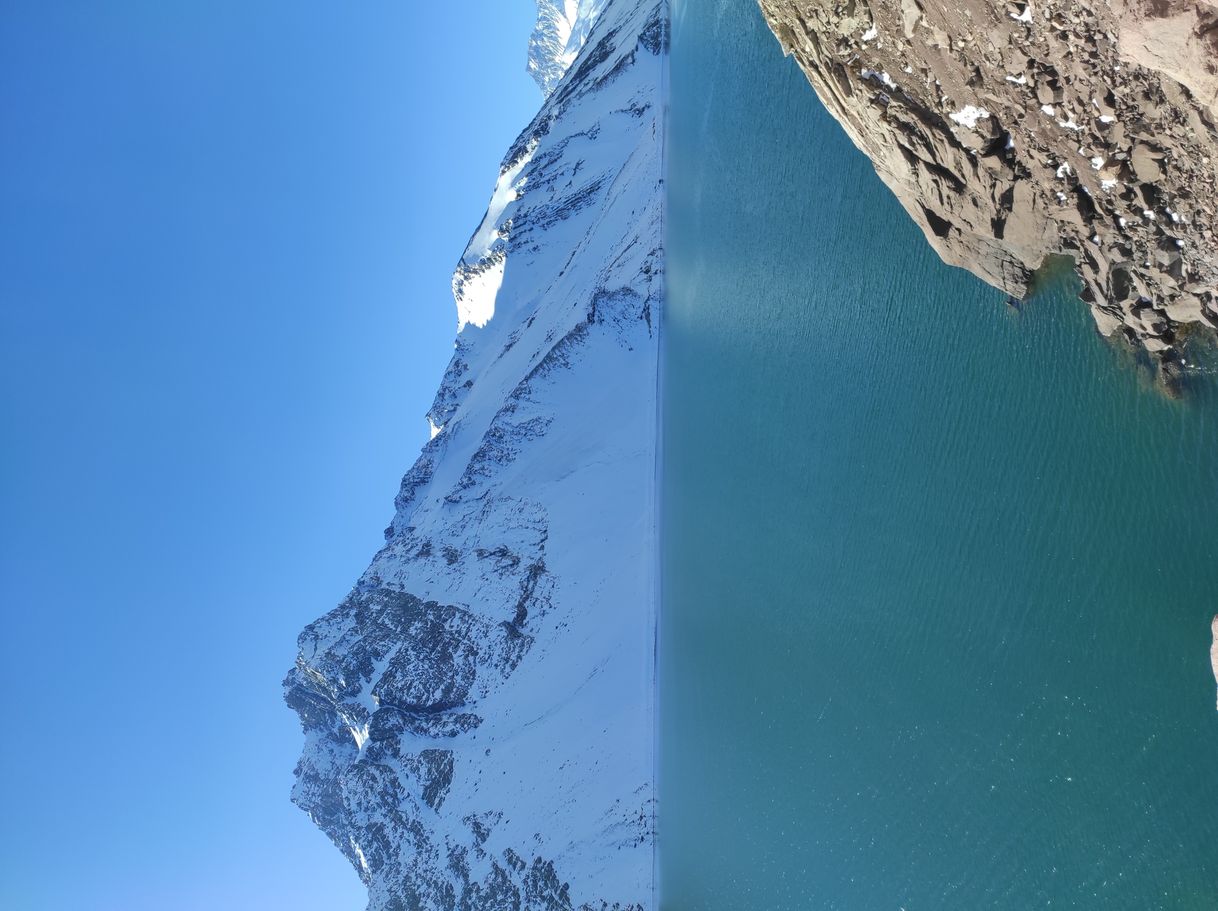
938 574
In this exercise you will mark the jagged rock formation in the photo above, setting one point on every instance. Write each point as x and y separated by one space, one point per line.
1018 130
478 712
562 27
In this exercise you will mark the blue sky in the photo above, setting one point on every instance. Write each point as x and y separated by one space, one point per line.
226 235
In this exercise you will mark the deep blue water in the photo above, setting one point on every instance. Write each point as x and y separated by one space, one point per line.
938 574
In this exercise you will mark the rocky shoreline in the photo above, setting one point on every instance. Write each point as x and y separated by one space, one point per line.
1016 132
1214 647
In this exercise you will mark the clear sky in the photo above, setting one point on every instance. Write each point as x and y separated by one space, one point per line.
226 235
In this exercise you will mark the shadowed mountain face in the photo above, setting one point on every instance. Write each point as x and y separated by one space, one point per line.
478 712
1013 132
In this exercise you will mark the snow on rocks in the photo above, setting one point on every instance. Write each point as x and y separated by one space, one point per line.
882 78
969 115
478 712
561 30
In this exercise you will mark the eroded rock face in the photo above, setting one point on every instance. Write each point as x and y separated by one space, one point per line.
478 712
1014 131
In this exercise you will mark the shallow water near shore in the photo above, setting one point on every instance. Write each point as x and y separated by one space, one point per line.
938 574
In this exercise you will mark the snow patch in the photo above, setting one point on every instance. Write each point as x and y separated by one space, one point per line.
969 115
479 276
506 192
879 77
475 292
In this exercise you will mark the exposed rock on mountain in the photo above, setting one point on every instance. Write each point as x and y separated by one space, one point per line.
562 27
478 712
1015 131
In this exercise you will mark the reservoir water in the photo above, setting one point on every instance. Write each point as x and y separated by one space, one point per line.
938 574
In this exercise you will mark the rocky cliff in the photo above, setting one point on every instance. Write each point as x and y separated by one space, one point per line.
1016 131
478 712
1214 647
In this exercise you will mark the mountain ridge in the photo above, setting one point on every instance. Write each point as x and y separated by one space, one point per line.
479 711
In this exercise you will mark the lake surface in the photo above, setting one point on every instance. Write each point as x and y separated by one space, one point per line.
938 575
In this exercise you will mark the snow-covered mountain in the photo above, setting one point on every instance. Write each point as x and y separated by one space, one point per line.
478 712
561 30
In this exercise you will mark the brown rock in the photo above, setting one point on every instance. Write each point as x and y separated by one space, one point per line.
1214 648
1020 131
1146 163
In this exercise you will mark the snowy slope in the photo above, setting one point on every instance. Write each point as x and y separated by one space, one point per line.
562 27
478 712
